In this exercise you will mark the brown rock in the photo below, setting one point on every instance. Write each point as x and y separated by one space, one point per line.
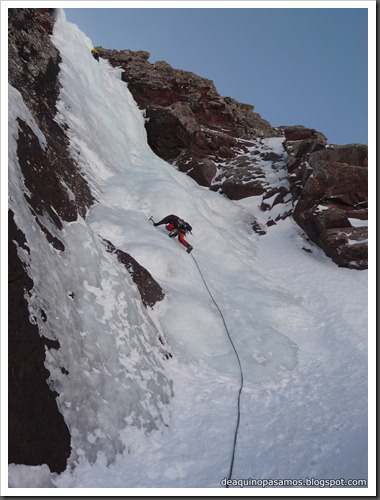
149 289
235 190
331 185
202 171
299 133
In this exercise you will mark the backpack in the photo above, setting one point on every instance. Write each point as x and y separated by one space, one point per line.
183 226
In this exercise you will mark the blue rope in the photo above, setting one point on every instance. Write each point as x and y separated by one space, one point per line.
240 368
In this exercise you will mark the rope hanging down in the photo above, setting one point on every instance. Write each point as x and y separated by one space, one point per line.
241 371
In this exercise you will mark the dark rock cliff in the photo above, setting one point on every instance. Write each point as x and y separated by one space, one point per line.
36 430
330 192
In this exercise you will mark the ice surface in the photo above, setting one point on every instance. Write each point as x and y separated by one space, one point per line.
299 323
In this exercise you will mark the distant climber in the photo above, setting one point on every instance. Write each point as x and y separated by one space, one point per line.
95 54
177 227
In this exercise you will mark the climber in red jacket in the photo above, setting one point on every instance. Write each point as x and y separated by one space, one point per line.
177 227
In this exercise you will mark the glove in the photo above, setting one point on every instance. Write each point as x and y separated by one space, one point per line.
155 224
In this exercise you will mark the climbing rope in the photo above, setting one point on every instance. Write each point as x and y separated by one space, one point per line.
241 371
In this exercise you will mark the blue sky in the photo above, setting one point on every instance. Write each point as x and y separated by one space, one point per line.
297 66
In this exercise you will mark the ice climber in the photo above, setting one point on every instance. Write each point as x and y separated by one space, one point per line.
177 227
95 54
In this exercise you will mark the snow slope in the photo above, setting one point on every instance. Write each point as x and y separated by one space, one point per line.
298 322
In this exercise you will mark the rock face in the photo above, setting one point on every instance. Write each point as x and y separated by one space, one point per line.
330 189
300 133
149 289
34 421
56 192
188 123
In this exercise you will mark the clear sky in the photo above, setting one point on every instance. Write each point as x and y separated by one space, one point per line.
297 66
